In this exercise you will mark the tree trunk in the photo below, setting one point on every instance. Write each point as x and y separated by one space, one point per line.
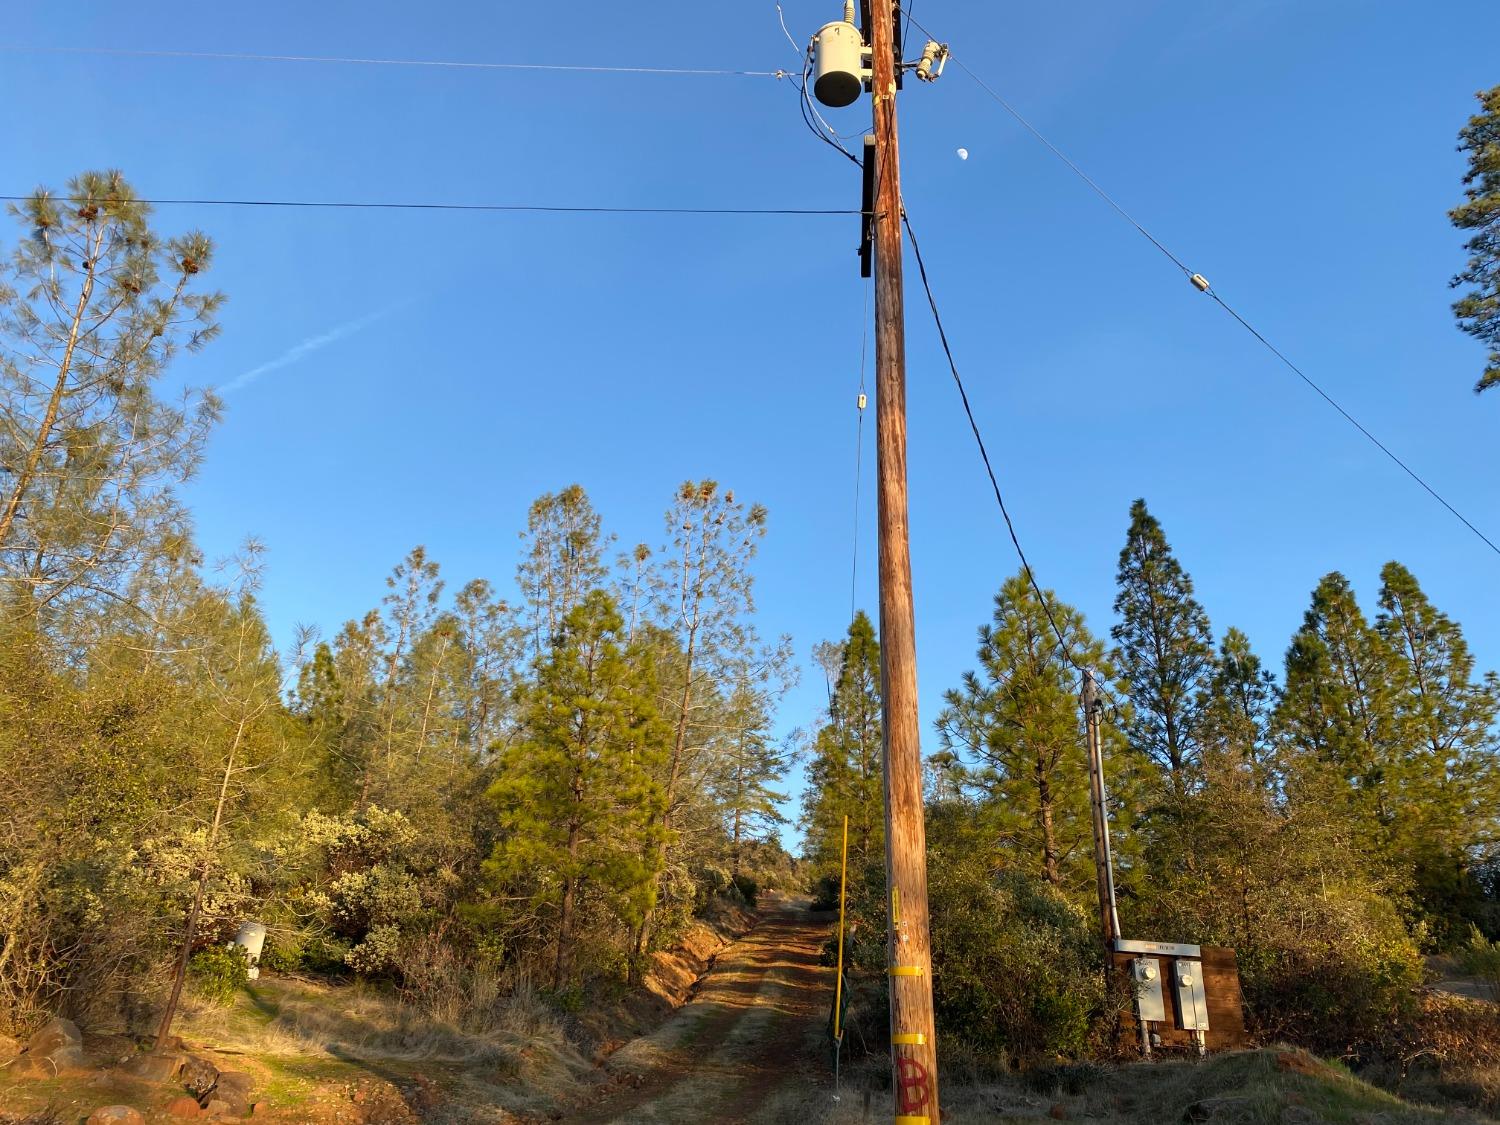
180 972
27 474
1045 821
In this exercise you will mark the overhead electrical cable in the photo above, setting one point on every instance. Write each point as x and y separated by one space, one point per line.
346 60
859 445
359 205
1010 527
1202 284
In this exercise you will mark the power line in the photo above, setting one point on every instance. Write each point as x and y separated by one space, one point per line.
1202 285
937 318
355 205
1407 469
344 60
859 445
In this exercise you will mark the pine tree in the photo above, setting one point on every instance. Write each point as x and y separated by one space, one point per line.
1340 714
1163 649
1238 704
704 605
1019 724
750 764
562 559
93 305
1450 721
492 643
846 775
578 803
1478 311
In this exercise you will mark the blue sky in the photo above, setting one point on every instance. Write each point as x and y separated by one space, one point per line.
404 378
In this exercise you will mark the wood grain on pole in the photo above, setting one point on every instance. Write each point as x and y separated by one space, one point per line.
913 1036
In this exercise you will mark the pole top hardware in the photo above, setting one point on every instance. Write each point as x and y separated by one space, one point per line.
934 58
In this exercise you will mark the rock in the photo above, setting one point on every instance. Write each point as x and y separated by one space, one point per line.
116 1115
154 1066
184 1107
1058 1113
53 1034
198 1075
217 1107
233 1092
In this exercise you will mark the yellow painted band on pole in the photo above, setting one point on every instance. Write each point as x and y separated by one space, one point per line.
907 971
908 1120
838 987
910 1039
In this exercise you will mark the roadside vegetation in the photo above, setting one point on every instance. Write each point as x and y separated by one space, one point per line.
482 830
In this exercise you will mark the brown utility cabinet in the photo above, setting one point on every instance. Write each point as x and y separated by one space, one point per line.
1195 987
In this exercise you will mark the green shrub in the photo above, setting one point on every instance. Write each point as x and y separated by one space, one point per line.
1480 958
1018 971
825 893
1335 976
748 889
218 972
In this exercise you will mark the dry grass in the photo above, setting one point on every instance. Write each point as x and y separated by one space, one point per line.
1268 1087
363 1022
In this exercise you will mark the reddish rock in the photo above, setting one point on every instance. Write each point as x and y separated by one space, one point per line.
184 1106
1058 1113
53 1034
116 1115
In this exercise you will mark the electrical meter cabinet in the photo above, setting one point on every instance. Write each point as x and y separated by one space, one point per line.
1192 1001
1150 1004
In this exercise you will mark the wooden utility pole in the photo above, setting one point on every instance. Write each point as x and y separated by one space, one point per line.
1104 866
913 1037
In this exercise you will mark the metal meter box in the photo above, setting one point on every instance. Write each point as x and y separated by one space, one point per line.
1150 1004
1192 1001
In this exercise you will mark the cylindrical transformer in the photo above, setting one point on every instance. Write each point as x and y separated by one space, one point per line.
252 939
839 64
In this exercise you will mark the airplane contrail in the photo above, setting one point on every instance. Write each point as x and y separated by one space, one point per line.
305 348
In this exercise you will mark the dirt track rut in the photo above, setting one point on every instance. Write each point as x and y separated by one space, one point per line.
751 1031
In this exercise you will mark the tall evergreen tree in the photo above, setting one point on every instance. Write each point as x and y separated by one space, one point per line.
1238 704
1163 649
561 561
577 796
846 776
1453 819
1019 724
751 764
705 608
93 305
1478 311
1340 715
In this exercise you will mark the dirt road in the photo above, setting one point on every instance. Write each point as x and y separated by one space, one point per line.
754 1030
